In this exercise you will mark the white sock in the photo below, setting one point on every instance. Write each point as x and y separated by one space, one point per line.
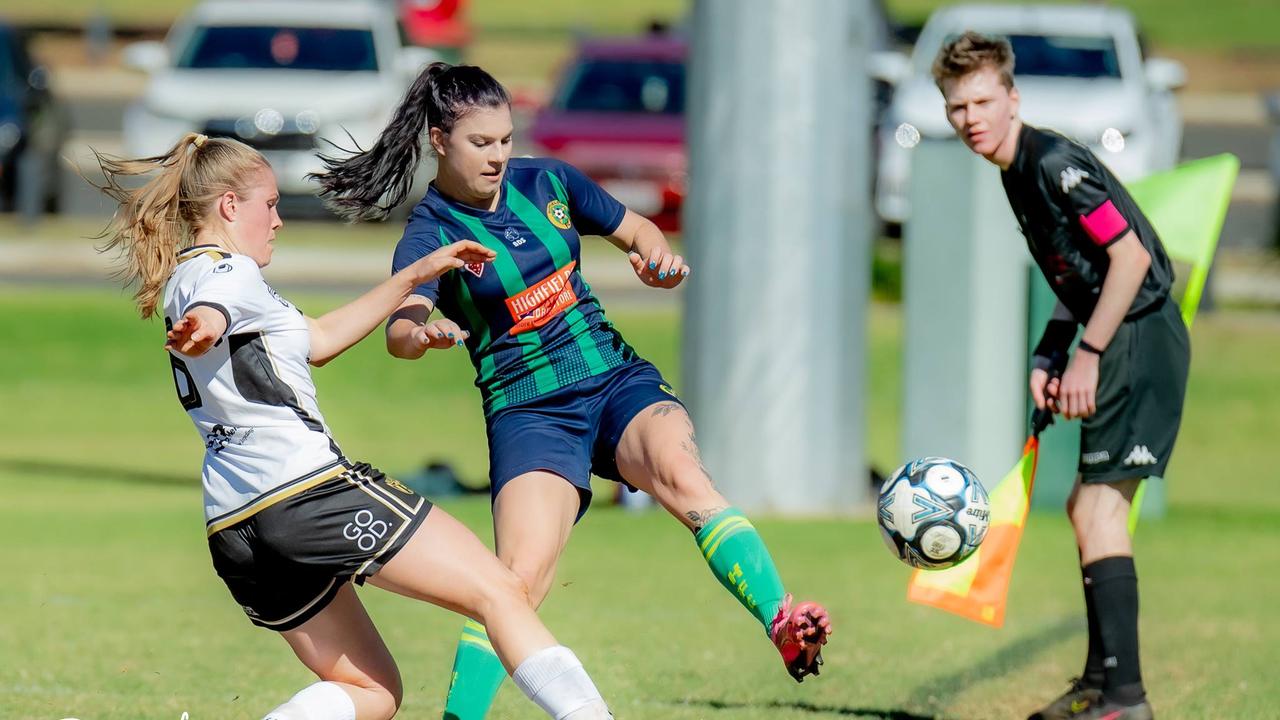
321 701
555 679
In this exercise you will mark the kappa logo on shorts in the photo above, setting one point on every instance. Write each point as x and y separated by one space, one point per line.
365 531
558 214
1140 455
1072 177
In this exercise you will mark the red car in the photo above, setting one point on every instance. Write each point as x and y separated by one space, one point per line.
439 24
617 114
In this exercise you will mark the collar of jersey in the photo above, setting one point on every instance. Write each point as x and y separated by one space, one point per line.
438 201
196 250
1020 156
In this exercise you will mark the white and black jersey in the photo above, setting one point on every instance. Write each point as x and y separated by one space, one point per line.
250 396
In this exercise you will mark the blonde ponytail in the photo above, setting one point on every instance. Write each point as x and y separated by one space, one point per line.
157 220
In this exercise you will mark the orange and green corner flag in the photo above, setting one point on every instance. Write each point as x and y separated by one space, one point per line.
1187 206
977 588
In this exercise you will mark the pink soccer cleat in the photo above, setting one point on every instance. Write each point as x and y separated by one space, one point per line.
799 633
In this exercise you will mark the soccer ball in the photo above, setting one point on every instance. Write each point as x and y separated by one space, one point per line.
933 513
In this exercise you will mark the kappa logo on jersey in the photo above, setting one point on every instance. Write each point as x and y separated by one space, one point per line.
538 305
223 267
513 237
1072 177
558 214
1140 455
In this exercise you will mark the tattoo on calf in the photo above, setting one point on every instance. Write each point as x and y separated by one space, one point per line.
700 518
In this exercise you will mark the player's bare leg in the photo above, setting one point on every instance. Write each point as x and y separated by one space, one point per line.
533 516
658 453
445 564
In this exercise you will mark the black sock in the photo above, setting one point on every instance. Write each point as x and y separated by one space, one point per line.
1113 582
1094 675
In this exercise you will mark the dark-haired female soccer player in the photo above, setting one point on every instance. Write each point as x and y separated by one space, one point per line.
564 395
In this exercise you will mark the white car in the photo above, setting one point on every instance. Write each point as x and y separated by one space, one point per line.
1079 70
279 75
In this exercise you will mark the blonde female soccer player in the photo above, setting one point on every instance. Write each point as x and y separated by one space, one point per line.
292 523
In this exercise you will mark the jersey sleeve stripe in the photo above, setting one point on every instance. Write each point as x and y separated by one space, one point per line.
216 306
1105 224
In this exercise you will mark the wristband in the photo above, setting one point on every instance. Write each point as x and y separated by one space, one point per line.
1088 348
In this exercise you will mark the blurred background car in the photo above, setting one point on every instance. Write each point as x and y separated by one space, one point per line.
280 75
33 126
617 114
1080 70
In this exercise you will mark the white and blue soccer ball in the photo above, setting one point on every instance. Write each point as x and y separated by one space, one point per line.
933 513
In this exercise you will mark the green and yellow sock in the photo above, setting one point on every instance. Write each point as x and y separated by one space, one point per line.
477 675
737 556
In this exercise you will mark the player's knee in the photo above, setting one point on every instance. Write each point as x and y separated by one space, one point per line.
506 589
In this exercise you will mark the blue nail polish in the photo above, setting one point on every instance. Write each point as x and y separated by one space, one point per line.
459 341
653 265
662 276
450 334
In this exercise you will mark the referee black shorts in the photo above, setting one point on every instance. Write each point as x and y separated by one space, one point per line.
285 562
1142 379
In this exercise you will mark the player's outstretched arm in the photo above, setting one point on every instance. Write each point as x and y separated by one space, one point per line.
196 331
334 332
409 335
649 252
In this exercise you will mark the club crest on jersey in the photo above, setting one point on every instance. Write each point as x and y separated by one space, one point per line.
1072 177
538 305
558 214
475 268
513 237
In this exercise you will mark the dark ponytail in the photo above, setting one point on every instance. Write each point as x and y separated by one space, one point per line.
369 183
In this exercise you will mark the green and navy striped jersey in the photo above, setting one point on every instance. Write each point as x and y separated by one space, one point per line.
534 325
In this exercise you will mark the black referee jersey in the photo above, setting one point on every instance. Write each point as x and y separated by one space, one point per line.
1071 208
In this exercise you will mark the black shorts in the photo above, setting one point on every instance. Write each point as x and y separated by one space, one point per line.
286 561
1142 378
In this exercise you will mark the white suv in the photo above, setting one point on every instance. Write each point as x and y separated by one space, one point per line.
1080 70
279 75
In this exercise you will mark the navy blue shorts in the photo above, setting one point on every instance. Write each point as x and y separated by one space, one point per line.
574 431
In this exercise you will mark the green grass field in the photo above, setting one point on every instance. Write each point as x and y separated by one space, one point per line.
113 611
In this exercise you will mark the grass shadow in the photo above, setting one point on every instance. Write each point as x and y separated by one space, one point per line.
86 471
940 690
812 708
